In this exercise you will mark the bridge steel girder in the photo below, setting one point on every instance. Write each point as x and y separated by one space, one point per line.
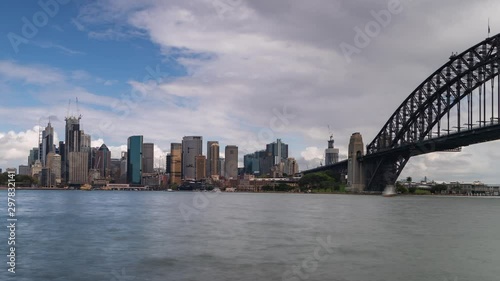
410 127
339 167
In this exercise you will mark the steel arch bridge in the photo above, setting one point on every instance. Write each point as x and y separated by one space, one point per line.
453 107
457 105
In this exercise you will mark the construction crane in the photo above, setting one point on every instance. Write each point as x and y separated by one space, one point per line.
330 132
67 110
78 110
79 116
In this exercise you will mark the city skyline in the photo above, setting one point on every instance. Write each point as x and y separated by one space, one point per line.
196 86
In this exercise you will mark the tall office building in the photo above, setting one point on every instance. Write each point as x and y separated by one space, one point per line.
291 167
222 167
123 167
78 168
278 150
251 163
192 146
34 153
176 163
231 163
115 173
73 138
62 152
103 161
168 164
24 170
134 160
54 164
85 146
200 165
148 158
331 153
47 143
212 158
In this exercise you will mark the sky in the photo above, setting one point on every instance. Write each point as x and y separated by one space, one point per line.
243 72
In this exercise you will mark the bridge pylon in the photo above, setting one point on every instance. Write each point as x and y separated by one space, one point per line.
355 170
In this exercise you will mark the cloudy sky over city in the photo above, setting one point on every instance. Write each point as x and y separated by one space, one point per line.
243 72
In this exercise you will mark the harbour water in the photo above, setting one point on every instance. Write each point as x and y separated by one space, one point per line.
98 235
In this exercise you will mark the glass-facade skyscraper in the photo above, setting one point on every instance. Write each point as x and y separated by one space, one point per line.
134 159
278 150
192 146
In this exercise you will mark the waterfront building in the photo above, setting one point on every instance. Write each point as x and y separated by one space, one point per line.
103 161
175 163
200 165
148 158
278 150
192 146
78 169
47 143
123 168
222 166
54 163
212 158
36 168
73 139
231 163
24 170
115 172
34 154
134 160
291 167
331 153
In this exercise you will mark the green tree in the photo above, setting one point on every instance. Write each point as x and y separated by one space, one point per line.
438 188
314 180
401 188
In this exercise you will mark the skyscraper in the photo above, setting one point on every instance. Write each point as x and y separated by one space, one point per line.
148 158
278 150
331 153
222 167
54 164
251 163
47 142
78 171
123 167
200 165
134 160
212 158
34 153
73 138
192 146
175 163
103 161
231 163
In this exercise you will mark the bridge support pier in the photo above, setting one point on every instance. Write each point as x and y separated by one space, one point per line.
355 170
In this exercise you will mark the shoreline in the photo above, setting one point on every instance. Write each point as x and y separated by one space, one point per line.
304 193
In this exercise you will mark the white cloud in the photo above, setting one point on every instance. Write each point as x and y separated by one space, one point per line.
31 74
262 56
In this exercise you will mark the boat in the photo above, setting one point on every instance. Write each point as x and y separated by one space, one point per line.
389 191
169 190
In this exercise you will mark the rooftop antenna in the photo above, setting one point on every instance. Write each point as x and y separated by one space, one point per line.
78 109
67 110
